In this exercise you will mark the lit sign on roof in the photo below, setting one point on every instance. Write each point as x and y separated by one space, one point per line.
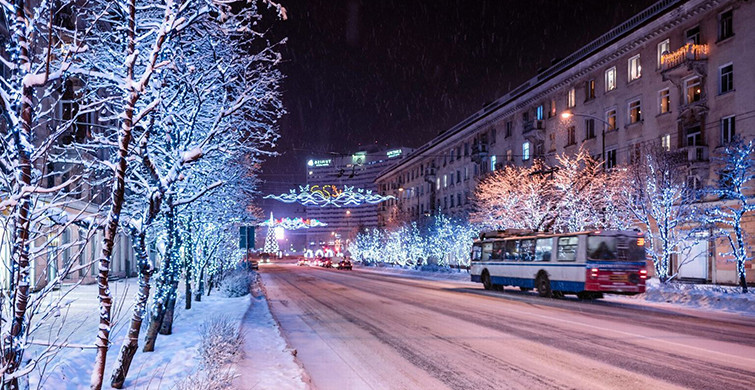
319 163
394 153
358 158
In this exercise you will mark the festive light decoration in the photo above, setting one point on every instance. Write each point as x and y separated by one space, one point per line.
271 242
293 223
444 242
330 195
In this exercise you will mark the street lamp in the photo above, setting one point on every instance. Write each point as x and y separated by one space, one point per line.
569 114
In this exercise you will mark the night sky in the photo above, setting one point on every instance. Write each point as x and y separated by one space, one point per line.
398 72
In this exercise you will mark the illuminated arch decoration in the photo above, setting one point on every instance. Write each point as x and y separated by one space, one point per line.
293 223
330 195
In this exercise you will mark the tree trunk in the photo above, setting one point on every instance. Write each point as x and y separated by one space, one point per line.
200 286
154 325
166 327
743 282
189 262
131 341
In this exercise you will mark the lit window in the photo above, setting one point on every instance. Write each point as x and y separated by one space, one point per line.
664 101
635 69
445 181
726 25
611 119
666 142
437 183
526 151
571 98
635 112
539 115
726 79
611 79
552 111
693 90
492 162
663 47
727 129
590 90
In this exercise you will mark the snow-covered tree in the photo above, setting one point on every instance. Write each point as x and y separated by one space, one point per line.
734 189
574 195
42 59
659 199
514 198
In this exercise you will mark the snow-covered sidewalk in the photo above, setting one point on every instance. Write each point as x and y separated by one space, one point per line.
175 356
728 299
268 362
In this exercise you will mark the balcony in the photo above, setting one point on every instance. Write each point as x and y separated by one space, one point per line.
534 130
680 62
697 156
479 152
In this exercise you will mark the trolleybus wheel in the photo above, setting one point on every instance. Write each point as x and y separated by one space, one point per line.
543 286
486 280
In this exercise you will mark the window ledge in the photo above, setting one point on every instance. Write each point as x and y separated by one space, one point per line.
630 125
667 113
724 40
729 92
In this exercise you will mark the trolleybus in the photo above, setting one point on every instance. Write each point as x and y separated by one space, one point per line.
586 263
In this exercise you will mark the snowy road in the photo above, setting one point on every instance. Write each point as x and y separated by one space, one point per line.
364 330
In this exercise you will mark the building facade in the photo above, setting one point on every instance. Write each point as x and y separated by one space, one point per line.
356 171
677 74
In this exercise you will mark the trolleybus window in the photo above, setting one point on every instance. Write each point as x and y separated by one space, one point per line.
567 248
512 250
487 248
498 252
543 249
476 252
527 250
615 248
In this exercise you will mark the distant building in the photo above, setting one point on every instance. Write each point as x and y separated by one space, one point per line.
357 171
678 74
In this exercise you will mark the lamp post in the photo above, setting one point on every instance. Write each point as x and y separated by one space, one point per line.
569 114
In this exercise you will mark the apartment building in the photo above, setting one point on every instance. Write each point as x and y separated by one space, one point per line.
678 74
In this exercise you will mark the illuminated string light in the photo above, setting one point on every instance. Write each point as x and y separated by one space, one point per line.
330 195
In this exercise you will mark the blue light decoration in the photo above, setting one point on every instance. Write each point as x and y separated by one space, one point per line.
293 223
330 195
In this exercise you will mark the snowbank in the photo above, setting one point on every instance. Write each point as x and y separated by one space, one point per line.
174 358
702 296
269 363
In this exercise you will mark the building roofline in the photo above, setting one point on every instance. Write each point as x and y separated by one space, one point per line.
649 14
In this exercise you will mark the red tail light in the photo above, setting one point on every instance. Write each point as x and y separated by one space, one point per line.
594 273
643 274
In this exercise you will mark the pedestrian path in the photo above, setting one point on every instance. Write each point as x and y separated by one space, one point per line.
267 362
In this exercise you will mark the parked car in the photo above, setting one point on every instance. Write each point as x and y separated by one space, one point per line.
344 264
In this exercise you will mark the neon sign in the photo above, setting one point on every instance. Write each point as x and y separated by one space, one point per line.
394 153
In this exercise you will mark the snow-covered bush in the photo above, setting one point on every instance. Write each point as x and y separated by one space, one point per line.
237 284
221 342
213 379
